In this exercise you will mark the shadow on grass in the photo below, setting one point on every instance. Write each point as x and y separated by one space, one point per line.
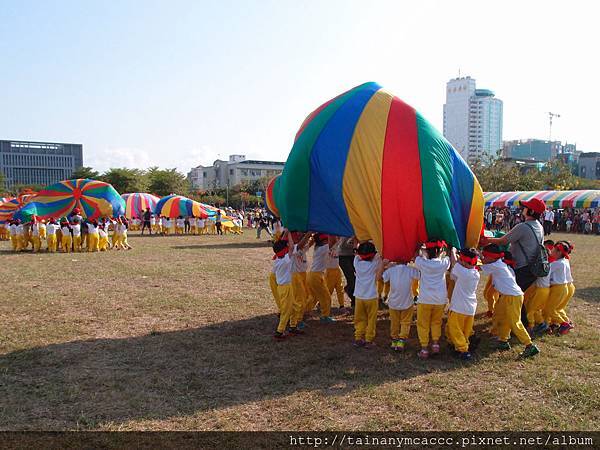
178 373
589 294
224 245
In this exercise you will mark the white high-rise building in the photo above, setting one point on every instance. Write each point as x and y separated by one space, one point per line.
472 119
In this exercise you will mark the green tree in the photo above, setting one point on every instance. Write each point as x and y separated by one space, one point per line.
167 181
126 180
85 172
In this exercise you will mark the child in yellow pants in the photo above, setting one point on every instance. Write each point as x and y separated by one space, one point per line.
315 278
333 279
510 301
400 300
536 299
282 267
274 291
433 295
558 298
463 302
66 240
299 266
368 266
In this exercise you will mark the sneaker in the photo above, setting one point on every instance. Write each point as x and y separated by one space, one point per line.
423 354
296 332
279 336
394 345
327 319
503 345
435 349
465 356
564 328
400 345
552 329
359 343
370 345
301 325
530 350
540 328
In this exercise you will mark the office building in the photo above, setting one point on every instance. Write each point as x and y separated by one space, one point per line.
38 163
233 172
539 150
472 120
589 165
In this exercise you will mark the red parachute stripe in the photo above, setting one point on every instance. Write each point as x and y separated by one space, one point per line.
401 192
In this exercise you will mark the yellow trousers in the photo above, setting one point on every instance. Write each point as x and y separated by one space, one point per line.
93 242
562 308
317 286
286 298
449 285
14 240
459 329
365 319
511 307
66 243
333 278
274 291
557 296
52 241
77 243
400 322
383 289
429 319
298 286
102 243
37 243
490 294
414 287
535 304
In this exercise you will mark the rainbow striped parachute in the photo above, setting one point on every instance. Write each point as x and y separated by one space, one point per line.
93 199
174 206
8 209
367 164
136 204
269 200
553 199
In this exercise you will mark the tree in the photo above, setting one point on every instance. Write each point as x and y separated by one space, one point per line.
167 181
2 181
125 180
85 172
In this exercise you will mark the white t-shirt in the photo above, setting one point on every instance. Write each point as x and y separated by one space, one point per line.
400 277
200 223
65 231
76 229
569 274
122 228
20 229
102 233
283 270
152 221
319 262
365 287
549 216
13 230
180 223
559 272
299 263
51 229
543 282
464 299
432 289
503 278
35 229
165 222
91 228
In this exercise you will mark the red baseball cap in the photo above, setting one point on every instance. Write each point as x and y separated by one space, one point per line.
535 204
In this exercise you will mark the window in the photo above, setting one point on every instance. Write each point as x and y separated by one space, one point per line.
230 171
204 174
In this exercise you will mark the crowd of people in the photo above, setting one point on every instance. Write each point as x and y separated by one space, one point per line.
568 220
523 298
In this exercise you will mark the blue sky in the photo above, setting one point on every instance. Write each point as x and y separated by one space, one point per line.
180 83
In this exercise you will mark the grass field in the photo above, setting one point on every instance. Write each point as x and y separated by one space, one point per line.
176 335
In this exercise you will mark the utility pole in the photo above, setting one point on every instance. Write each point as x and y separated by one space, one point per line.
551 116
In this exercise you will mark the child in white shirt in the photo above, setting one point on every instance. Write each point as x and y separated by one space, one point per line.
367 265
51 238
316 278
76 228
463 303
560 277
400 300
282 267
433 295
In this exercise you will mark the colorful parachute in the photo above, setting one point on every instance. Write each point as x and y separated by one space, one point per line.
174 206
93 199
553 199
8 209
367 164
136 204
269 201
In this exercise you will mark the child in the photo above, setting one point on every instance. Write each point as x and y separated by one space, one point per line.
316 279
51 237
282 266
333 278
93 236
200 226
42 226
179 225
570 285
400 300
35 234
433 295
299 266
103 238
559 290
510 301
463 302
367 264
66 240
536 299
76 228
123 233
